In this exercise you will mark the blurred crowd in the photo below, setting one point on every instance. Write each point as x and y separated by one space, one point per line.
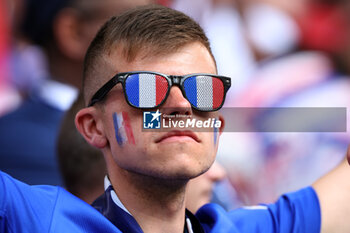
279 53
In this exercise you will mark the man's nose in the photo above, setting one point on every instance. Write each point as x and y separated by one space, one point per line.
176 103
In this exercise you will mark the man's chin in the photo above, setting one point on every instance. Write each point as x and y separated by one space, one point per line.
181 174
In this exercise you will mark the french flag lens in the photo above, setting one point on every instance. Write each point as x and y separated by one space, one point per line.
146 90
204 92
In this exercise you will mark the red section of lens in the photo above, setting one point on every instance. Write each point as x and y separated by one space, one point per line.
218 92
161 88
128 129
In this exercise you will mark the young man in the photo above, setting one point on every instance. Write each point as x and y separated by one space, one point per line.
83 167
151 51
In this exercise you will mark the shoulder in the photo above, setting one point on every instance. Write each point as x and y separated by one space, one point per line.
293 212
44 208
26 207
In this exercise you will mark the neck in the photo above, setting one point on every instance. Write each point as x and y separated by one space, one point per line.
156 204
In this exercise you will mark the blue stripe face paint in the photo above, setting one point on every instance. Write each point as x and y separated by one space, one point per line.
123 129
117 131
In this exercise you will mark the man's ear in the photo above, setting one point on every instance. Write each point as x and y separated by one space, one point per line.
222 119
87 123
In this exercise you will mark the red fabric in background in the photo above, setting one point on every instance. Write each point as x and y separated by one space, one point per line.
323 27
4 44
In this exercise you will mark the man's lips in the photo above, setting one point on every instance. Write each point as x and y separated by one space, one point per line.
177 136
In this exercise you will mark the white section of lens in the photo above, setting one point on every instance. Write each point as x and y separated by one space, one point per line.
204 92
147 89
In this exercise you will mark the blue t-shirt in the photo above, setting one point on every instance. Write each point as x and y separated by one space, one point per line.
36 209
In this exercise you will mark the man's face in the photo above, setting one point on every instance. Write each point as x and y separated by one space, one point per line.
170 155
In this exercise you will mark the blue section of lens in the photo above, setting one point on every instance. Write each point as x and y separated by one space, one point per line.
190 86
132 89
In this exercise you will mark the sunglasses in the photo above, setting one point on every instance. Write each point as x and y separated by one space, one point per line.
144 89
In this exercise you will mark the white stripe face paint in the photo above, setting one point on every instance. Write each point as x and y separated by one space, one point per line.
147 89
121 128
204 92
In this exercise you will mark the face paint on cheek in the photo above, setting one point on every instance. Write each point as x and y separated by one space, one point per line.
216 133
123 130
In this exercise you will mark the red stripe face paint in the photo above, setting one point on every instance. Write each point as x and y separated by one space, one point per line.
123 129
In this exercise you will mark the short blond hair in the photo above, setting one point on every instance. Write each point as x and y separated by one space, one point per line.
152 29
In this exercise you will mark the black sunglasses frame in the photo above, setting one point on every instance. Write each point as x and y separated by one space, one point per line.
176 80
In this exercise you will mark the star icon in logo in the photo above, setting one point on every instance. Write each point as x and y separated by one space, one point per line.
156 115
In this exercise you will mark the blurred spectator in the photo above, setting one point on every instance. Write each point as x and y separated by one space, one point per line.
64 29
268 48
264 165
82 166
200 190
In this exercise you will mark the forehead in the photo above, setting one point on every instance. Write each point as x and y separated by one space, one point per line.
192 58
